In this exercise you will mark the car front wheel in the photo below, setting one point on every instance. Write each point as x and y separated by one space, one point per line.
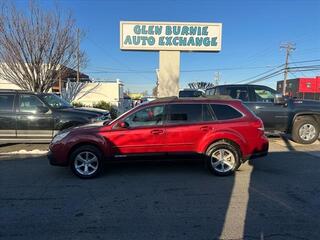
86 161
223 158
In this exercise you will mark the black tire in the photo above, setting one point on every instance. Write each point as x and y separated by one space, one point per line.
228 148
94 160
298 127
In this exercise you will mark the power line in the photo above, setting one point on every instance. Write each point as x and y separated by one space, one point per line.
110 70
279 72
116 60
244 80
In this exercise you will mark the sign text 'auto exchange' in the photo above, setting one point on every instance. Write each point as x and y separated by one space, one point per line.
170 36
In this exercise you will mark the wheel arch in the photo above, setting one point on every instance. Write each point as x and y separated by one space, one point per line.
101 145
228 137
315 116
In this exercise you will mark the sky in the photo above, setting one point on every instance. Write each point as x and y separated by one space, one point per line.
252 32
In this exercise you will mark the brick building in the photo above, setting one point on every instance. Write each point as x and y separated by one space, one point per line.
302 88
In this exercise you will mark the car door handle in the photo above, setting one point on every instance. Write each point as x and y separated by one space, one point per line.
205 128
157 132
259 107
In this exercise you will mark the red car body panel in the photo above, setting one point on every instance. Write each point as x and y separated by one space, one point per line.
138 140
245 132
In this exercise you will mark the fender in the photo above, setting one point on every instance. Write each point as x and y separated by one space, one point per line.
223 134
309 113
91 139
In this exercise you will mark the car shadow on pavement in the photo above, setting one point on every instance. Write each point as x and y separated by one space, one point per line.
267 198
283 197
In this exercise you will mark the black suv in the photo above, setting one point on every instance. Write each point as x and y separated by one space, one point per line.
300 118
37 117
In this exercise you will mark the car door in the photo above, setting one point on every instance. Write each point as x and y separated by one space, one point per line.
185 127
7 116
274 116
34 118
141 133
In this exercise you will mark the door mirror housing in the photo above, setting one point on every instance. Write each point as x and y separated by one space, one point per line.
42 109
279 99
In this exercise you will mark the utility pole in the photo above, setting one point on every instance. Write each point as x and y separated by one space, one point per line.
78 55
289 47
217 78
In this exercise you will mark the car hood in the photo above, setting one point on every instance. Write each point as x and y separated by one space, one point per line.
79 111
91 127
95 110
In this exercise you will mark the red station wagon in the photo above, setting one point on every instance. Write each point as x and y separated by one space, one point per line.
223 132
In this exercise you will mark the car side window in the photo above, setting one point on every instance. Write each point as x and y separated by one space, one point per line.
146 117
263 94
241 93
6 102
29 103
184 113
225 112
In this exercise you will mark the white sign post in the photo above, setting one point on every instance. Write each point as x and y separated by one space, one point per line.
170 38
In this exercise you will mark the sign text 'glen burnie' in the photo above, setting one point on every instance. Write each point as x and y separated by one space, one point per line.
170 36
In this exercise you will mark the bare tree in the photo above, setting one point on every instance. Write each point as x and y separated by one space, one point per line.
72 89
37 47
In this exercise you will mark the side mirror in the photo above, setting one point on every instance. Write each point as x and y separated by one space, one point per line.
42 109
123 125
279 99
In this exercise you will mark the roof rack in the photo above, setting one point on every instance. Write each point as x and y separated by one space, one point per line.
212 97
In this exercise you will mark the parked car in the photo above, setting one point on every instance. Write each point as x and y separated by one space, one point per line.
147 99
37 117
224 132
300 118
189 92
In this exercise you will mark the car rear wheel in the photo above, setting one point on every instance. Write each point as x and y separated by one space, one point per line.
86 161
305 130
223 158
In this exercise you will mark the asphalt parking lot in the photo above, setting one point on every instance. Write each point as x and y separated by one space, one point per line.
275 197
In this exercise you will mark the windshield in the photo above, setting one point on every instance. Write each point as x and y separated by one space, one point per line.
130 110
55 101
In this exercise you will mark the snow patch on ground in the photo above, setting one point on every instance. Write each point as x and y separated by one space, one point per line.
23 152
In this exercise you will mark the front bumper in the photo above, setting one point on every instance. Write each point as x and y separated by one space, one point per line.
53 160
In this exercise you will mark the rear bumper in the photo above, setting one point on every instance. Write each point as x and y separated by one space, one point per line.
260 151
259 154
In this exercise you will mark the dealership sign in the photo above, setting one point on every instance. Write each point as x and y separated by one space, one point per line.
166 36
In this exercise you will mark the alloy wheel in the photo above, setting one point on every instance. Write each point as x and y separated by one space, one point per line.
307 132
223 160
86 163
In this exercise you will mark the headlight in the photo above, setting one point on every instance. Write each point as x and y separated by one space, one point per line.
59 137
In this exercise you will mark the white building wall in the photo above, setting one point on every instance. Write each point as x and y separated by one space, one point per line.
7 85
111 92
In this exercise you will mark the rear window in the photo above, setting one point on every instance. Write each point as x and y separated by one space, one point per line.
6 102
225 112
236 92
